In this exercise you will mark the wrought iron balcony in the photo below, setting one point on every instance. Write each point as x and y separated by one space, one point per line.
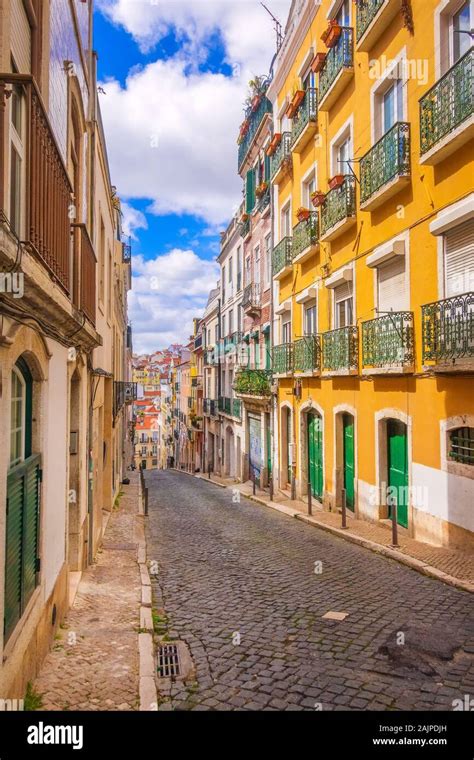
282 256
236 408
244 227
253 382
305 236
251 300
339 209
124 393
126 252
448 330
307 354
387 342
306 120
282 359
338 67
84 287
230 406
373 17
264 201
385 166
340 351
255 118
209 407
444 109
197 342
281 158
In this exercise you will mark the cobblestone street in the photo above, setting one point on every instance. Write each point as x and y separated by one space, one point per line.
238 572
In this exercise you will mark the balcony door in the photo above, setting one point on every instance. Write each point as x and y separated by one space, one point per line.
315 455
460 27
391 286
343 305
397 459
343 16
459 259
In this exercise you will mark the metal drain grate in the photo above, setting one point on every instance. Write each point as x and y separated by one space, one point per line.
168 661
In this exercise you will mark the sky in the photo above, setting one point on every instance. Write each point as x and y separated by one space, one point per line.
175 74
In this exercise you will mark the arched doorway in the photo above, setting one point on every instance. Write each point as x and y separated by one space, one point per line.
286 470
315 454
348 458
397 470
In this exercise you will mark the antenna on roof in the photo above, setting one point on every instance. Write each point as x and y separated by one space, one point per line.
279 33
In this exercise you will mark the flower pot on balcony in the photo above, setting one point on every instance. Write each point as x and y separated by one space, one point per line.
261 189
295 103
303 214
244 218
332 34
275 141
256 101
317 198
336 181
318 62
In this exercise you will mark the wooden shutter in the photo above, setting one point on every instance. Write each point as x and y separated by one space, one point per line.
250 191
459 258
20 37
391 285
30 529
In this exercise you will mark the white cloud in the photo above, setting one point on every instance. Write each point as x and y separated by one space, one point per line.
132 220
167 293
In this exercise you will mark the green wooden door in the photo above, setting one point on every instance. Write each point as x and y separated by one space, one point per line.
269 445
315 455
397 454
288 445
348 442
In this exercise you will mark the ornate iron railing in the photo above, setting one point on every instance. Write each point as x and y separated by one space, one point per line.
197 341
305 234
389 158
338 205
282 359
307 354
209 407
282 255
388 340
340 350
446 105
253 382
282 153
339 57
251 296
84 286
244 228
366 12
307 112
256 117
448 329
230 406
264 200
124 393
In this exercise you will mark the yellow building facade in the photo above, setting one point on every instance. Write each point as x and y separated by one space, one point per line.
373 338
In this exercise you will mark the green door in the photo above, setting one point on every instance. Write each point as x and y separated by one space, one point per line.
315 455
397 454
288 444
269 445
348 442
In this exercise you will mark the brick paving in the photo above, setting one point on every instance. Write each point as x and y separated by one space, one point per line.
231 570
94 661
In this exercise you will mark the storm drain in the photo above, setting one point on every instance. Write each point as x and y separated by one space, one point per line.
168 661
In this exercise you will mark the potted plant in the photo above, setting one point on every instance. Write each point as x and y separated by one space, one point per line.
244 217
317 198
256 101
303 214
275 141
332 33
318 62
295 103
261 189
336 181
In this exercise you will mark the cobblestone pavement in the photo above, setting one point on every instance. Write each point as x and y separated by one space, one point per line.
229 568
94 661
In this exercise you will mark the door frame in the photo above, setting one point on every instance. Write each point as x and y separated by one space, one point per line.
381 458
338 455
309 407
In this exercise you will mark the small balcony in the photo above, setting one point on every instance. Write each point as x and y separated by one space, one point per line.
448 334
280 160
282 359
305 238
211 357
251 300
386 168
84 280
124 393
282 258
244 227
338 70
340 351
197 342
305 123
232 407
387 344
338 212
307 355
373 17
263 203
447 112
253 382
209 407
255 120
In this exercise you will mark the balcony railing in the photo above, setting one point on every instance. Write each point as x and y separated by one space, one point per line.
230 406
339 204
253 382
84 290
282 359
340 350
45 225
251 297
282 255
124 393
281 155
307 354
236 408
387 342
307 113
446 105
255 119
263 201
197 342
244 228
126 252
305 234
448 329
339 57
209 407
366 12
388 159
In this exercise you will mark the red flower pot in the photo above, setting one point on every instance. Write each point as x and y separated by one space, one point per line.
295 103
274 144
303 214
317 199
318 62
336 181
333 35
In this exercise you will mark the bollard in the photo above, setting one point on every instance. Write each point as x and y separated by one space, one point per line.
310 499
146 501
343 508
209 471
394 510
253 482
270 483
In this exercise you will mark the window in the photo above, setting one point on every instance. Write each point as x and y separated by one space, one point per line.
257 266
343 310
285 227
343 16
343 157
230 269
102 261
16 159
309 317
268 258
239 317
309 186
17 425
459 259
286 330
462 445
223 326
392 105
231 322
248 275
391 285
460 28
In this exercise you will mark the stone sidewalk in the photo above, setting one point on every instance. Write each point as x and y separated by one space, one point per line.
453 566
94 662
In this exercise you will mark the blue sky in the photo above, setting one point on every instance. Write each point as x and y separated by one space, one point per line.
175 75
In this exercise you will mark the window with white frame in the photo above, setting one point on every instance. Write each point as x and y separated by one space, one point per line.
392 293
343 16
17 154
286 328
285 222
257 266
248 271
308 187
231 322
343 305
309 318
459 259
460 28
341 151
268 258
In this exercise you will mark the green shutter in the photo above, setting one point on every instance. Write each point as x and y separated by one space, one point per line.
30 529
250 191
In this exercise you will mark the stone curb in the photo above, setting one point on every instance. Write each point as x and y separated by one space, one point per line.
386 551
148 697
